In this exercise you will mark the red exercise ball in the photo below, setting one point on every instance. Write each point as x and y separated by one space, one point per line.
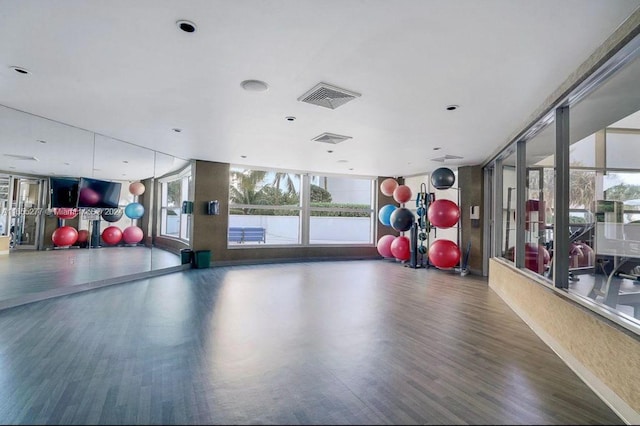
137 188
443 213
66 212
384 245
132 235
83 236
64 236
400 248
388 186
536 257
112 235
402 194
444 254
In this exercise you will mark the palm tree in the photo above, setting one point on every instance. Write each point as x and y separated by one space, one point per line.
289 180
244 187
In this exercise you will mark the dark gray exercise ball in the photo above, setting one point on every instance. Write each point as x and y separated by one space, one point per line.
443 178
112 215
402 219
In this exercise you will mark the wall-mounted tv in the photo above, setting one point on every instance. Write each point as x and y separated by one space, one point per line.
63 192
98 193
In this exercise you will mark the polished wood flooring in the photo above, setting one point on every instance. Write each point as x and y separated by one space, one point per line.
351 342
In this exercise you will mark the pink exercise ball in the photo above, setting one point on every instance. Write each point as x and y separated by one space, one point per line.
400 248
443 213
132 235
384 245
112 235
66 212
88 197
444 254
388 186
402 194
64 236
137 188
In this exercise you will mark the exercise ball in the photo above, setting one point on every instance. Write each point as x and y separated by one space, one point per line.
134 210
83 236
388 186
443 213
112 235
443 178
588 256
384 245
88 197
402 219
66 212
64 236
112 215
132 235
444 254
402 194
137 188
536 257
400 248
384 214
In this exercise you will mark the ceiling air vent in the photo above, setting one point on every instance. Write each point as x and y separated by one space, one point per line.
331 138
447 157
22 157
328 96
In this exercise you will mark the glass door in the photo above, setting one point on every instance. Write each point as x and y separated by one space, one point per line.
25 213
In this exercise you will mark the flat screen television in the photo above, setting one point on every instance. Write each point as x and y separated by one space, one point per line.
98 193
63 192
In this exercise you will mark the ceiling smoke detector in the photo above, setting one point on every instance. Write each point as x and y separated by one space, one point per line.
328 96
331 138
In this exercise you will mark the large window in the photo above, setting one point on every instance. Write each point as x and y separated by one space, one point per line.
281 208
174 191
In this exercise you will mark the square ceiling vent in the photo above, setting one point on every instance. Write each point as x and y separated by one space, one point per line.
328 96
447 157
331 138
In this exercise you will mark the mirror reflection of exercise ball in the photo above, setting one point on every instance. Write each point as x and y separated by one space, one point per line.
64 236
137 188
132 235
66 212
112 215
384 214
134 210
443 178
400 248
83 236
402 219
384 245
112 235
388 186
88 197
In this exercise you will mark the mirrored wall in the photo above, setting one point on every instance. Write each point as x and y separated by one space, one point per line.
78 207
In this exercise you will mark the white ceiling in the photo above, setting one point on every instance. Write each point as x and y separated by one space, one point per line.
121 68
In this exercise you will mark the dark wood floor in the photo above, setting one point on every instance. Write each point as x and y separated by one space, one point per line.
352 342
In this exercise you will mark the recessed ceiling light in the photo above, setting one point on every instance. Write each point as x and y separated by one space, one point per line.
254 85
437 148
67 164
351 168
186 26
290 118
452 107
176 129
41 141
125 161
20 70
329 151
343 161
243 156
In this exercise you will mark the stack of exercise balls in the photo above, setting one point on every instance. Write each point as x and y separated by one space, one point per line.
65 236
443 213
112 234
399 218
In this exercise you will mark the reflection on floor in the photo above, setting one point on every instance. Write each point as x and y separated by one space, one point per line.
35 275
